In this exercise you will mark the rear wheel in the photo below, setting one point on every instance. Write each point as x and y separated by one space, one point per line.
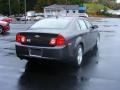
1 29
79 56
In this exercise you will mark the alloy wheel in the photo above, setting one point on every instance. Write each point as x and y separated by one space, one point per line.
79 56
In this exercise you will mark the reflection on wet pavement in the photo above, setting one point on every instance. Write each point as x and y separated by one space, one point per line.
54 75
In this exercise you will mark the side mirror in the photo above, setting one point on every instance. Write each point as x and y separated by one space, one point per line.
95 26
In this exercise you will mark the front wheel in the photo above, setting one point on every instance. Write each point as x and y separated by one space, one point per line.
79 56
97 43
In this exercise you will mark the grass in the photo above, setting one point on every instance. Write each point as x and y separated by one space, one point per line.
95 8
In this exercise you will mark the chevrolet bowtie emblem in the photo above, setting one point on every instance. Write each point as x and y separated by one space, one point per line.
37 36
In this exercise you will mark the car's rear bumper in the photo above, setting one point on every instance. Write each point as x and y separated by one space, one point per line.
49 53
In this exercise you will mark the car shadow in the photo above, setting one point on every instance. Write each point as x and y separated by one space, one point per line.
91 57
5 34
52 76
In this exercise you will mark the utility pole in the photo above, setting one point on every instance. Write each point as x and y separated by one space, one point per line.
25 9
9 7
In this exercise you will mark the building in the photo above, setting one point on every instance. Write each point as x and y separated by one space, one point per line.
62 10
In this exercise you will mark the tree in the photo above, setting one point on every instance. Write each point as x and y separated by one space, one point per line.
17 6
3 6
108 3
79 2
40 4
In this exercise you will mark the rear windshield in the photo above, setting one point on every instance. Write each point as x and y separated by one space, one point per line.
53 23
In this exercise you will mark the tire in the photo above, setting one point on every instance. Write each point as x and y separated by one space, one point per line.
79 56
1 29
97 42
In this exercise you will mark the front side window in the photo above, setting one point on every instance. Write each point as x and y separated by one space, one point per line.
78 26
82 24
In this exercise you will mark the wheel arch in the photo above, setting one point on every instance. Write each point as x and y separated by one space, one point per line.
79 41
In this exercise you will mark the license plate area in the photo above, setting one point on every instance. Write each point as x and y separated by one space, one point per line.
35 52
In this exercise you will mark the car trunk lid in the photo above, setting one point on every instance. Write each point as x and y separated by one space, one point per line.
38 39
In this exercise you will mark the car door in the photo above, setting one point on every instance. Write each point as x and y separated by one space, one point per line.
85 34
92 34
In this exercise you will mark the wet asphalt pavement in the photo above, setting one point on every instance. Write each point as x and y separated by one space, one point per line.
101 70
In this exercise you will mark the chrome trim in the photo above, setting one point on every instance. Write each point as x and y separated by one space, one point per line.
37 47
37 36
36 56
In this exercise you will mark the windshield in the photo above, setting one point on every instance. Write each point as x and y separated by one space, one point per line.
51 23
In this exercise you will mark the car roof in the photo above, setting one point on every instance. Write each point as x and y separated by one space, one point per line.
66 18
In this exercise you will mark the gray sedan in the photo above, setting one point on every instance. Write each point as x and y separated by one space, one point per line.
57 38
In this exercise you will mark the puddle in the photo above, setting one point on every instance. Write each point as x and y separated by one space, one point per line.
109 35
115 25
8 40
101 21
107 31
107 25
9 48
10 54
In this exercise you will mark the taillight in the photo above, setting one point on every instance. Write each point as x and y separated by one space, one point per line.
58 41
20 38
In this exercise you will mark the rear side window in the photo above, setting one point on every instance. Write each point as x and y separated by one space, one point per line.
51 23
82 24
78 26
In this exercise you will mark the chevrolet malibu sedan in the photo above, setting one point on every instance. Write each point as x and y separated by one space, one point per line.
60 39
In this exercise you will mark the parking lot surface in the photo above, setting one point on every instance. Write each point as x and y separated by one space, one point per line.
99 72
